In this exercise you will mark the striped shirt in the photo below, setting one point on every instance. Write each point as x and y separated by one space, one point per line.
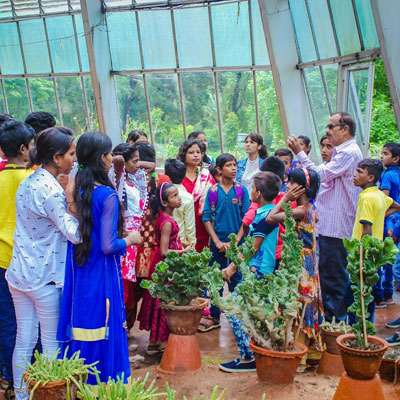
337 197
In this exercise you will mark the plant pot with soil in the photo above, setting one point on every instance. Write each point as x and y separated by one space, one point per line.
56 378
179 281
361 352
268 307
390 366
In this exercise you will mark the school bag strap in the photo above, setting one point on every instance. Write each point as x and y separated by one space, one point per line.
213 198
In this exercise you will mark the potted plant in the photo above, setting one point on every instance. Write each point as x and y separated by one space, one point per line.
331 331
179 280
268 307
361 353
389 368
56 378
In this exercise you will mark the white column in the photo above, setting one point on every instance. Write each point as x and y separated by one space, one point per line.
94 21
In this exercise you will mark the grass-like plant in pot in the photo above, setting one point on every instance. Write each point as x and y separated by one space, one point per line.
268 307
361 351
179 281
53 378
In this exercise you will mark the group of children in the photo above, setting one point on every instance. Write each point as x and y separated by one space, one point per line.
95 221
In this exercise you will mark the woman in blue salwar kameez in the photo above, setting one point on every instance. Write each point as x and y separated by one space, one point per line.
92 317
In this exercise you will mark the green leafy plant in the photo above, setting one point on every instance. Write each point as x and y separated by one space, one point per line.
182 278
336 326
269 306
364 258
137 390
45 370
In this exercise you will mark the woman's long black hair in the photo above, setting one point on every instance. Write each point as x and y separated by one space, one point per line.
147 152
255 137
90 148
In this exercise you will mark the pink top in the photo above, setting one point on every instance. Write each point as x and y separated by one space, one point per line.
337 197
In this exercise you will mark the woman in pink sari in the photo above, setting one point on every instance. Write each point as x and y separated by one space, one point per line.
197 182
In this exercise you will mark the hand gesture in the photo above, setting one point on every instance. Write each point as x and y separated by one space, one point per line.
294 144
132 238
228 272
294 192
188 247
222 246
119 164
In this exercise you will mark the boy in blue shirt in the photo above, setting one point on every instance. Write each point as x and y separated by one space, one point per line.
222 218
266 187
390 185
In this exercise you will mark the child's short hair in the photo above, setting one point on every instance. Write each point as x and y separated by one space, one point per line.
223 158
284 152
323 137
306 139
373 166
268 184
213 169
135 135
394 148
40 120
13 134
175 169
5 118
308 179
275 165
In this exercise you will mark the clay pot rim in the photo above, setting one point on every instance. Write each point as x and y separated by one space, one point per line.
279 354
51 384
201 303
366 353
327 332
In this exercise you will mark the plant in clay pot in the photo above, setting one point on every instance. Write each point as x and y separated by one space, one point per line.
330 331
268 307
389 368
56 378
178 281
361 353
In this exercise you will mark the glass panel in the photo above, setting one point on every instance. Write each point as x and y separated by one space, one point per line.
43 96
193 37
5 9
157 39
331 76
318 99
367 24
270 118
345 26
26 7
10 51
71 103
201 108
236 92
52 6
165 115
323 28
230 25
259 44
132 104
115 3
17 98
123 39
94 123
62 44
82 42
2 104
35 47
303 30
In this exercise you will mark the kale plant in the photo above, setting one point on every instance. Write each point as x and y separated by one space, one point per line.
269 306
375 253
180 279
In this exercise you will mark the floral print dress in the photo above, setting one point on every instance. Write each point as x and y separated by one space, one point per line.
309 285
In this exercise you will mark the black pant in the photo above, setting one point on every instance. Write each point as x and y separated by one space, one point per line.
334 277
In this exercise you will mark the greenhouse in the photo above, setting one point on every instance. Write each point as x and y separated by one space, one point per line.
264 134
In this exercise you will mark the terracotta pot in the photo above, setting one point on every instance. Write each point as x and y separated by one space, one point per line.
330 341
277 367
361 364
184 320
330 364
356 389
52 391
387 369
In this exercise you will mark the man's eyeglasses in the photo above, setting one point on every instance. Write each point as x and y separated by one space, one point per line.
331 126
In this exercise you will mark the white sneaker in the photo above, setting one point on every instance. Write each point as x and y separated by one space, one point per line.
136 358
132 347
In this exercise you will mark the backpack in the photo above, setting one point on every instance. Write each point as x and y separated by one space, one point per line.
213 198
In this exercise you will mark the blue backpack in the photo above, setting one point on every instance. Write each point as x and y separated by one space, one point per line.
213 198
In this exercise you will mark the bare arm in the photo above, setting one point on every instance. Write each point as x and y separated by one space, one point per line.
221 246
393 209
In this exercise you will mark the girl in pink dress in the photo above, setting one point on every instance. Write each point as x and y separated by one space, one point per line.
152 318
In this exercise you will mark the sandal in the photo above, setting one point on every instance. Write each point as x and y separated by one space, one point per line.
206 326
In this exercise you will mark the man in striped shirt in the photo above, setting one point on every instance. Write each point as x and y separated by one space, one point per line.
336 209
